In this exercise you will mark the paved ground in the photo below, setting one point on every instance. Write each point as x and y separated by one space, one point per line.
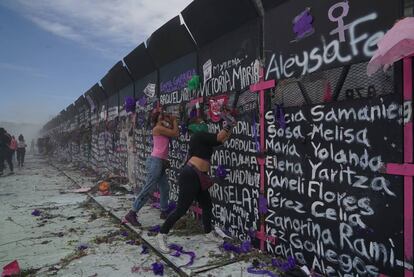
48 244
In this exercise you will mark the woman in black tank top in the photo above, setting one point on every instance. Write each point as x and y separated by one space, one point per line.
194 180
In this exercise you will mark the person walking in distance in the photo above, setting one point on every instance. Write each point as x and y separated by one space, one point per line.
164 128
3 147
13 146
32 146
5 151
21 150
194 180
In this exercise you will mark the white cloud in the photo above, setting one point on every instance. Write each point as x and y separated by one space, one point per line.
57 28
23 69
111 26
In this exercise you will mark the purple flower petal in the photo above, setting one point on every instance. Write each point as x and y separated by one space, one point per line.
144 249
192 257
252 233
221 172
253 270
36 212
156 205
82 246
246 246
129 104
175 247
158 269
284 265
155 229
142 101
227 246
180 250
281 117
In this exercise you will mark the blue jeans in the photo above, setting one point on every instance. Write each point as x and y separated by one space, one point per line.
156 175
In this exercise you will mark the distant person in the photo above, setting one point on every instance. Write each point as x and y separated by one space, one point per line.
3 147
48 146
13 146
40 145
32 146
21 151
5 151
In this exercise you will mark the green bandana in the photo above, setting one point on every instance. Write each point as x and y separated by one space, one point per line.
198 127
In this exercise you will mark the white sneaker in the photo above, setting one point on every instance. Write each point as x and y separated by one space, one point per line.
162 243
211 237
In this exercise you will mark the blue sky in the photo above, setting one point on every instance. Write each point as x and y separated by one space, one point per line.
52 51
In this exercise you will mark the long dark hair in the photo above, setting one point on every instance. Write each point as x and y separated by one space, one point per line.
21 138
154 118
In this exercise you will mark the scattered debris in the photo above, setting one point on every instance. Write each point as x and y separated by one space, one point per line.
11 220
244 247
93 217
87 204
29 272
81 190
111 185
74 256
109 238
132 242
139 269
135 269
54 268
187 226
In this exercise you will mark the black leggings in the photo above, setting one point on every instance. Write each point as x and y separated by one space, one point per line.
2 158
6 155
20 155
190 190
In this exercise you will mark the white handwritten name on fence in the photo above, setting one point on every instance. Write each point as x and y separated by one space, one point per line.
281 67
322 182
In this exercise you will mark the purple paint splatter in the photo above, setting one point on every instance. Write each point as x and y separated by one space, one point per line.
303 25
262 204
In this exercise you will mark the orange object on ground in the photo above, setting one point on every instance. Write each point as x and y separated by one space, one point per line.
104 186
